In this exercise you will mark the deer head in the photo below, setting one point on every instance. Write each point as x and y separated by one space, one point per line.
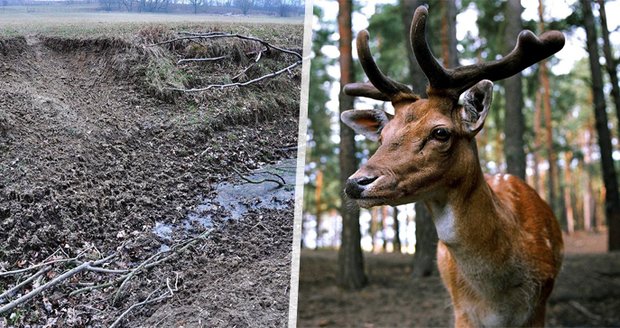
427 147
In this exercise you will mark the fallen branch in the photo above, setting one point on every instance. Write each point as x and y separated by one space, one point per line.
17 287
280 183
219 35
239 84
260 54
119 291
168 294
36 266
45 263
209 59
583 310
92 266
67 274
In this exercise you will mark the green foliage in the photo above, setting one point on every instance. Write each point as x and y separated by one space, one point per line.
386 29
321 154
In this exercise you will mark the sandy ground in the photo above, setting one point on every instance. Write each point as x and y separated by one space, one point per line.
587 292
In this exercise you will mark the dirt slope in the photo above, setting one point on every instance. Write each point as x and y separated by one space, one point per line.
91 158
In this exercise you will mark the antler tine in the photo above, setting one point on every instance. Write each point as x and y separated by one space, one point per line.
365 90
382 87
528 51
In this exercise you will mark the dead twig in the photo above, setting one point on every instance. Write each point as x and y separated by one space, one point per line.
262 226
67 274
151 262
17 287
280 182
92 266
209 59
125 281
83 266
258 57
36 266
219 35
583 310
167 294
239 84
46 262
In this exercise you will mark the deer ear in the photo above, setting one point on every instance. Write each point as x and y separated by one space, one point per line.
367 122
476 104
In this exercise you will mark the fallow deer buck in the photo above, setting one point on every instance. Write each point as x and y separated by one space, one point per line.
500 245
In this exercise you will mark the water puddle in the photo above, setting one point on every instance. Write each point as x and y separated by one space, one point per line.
270 187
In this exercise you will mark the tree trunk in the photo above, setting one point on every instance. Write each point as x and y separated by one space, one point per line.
350 260
397 243
418 79
612 199
372 227
610 61
514 123
588 199
568 199
317 199
546 101
426 235
538 179
384 228
448 34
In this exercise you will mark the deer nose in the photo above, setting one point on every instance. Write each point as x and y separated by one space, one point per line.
355 186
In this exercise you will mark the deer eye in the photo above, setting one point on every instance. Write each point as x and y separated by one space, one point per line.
441 134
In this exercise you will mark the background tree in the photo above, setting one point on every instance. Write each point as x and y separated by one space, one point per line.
196 4
350 260
321 157
612 199
514 122
245 5
546 104
611 63
426 234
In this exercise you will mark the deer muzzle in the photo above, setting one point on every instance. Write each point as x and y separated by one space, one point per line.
355 186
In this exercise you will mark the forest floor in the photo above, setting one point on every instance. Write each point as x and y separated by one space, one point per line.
586 294
98 158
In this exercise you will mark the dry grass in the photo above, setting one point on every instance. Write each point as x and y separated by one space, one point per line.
68 24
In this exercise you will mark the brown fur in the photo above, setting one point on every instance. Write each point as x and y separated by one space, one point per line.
500 245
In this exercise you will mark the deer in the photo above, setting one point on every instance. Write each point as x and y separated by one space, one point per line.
500 246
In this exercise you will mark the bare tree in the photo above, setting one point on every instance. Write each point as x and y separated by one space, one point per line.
196 4
244 5
107 4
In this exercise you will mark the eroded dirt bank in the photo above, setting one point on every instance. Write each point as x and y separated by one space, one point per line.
91 156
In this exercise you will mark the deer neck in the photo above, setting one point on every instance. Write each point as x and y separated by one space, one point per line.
469 217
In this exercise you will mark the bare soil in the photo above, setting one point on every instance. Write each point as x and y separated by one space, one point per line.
93 153
586 294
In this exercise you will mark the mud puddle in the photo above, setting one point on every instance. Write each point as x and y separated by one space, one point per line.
270 187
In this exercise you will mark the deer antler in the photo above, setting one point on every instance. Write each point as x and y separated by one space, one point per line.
381 86
528 50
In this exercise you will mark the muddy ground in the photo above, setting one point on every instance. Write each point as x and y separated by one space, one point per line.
587 292
95 151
